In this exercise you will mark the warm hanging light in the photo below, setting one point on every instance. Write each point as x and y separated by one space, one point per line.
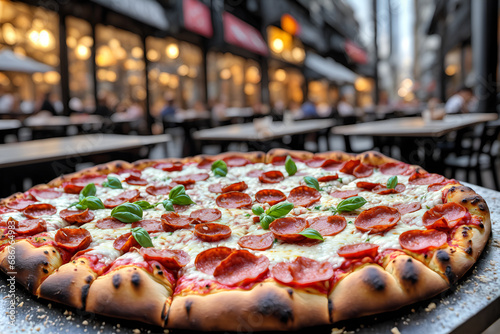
298 54
225 74
153 55
137 52
172 51
52 77
280 75
277 45
82 52
9 34
183 70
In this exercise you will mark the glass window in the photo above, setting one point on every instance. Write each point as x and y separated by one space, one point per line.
120 69
286 86
33 32
175 72
232 80
81 84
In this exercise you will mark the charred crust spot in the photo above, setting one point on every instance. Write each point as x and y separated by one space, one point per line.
482 207
53 251
290 292
449 274
367 155
410 273
442 256
464 200
88 279
374 279
116 280
45 271
135 279
481 225
188 305
465 233
45 263
74 261
85 292
272 305
119 165
468 250
46 252
160 272
158 267
163 313
82 262
330 309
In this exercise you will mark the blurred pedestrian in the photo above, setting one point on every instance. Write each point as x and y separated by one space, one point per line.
168 111
102 108
309 110
6 100
47 104
346 111
459 102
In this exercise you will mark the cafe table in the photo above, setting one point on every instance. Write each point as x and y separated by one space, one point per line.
469 306
412 130
8 126
44 159
248 133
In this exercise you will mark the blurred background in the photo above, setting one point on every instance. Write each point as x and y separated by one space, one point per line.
181 67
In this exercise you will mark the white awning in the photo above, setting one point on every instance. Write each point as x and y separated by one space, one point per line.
149 12
329 68
15 62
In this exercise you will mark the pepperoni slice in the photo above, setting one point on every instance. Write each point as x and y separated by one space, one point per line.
181 208
174 166
4 209
49 193
439 186
163 189
205 163
343 194
383 190
39 210
126 196
358 251
70 188
30 226
73 239
205 215
257 242
377 219
302 271
77 216
393 168
241 267
136 180
233 200
173 221
110 222
236 161
418 178
150 225
270 196
405 208
331 165
255 173
273 176
20 203
362 170
348 167
367 185
170 258
445 216
279 161
191 178
315 162
211 232
89 178
209 259
219 188
303 196
328 225
288 228
328 178
124 242
422 241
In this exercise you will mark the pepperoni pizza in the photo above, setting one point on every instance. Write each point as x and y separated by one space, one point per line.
243 241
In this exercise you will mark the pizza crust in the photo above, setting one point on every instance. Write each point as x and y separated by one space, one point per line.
267 306
69 284
130 293
280 152
32 265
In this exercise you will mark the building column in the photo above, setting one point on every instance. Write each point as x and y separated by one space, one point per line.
149 117
63 64
484 22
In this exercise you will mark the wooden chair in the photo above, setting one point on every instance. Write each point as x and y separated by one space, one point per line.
480 155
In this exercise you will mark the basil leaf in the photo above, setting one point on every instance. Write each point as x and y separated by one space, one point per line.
144 205
392 182
312 182
73 204
127 213
176 191
279 210
350 204
265 220
113 183
168 205
311 234
182 200
290 166
257 210
80 206
142 237
89 190
219 168
92 202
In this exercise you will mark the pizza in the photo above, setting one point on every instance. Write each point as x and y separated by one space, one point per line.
243 241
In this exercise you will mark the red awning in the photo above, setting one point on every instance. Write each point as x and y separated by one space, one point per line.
197 18
356 53
242 34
